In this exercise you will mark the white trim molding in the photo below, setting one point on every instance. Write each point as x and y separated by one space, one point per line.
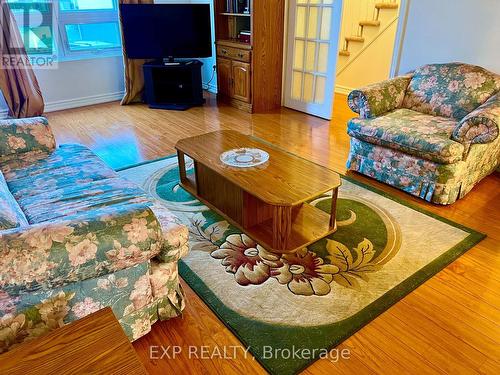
4 113
400 37
82 102
343 90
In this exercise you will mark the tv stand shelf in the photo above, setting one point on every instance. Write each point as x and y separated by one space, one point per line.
173 85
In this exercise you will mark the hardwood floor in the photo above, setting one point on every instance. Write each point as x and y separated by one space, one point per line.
449 325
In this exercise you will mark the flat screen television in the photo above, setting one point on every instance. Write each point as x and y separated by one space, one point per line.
166 31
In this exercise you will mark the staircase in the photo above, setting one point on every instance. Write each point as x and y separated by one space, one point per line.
364 21
368 32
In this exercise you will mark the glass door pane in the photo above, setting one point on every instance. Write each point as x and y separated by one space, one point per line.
313 32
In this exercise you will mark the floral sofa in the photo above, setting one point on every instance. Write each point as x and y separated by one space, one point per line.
75 237
432 133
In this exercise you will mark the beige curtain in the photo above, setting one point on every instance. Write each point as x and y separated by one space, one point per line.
18 84
134 77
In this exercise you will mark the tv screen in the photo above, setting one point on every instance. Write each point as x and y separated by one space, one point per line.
155 31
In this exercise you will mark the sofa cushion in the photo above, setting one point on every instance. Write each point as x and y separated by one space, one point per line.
69 181
450 90
37 174
413 132
81 197
11 215
73 180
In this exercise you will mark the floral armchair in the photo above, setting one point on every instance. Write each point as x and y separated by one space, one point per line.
75 237
432 133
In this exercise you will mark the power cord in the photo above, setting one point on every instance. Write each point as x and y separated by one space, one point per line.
213 75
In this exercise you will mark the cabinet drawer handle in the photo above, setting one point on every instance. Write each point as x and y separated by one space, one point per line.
223 51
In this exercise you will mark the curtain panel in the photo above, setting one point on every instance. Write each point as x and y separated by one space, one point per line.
18 83
134 77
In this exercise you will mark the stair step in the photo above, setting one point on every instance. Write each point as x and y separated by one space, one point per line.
386 5
369 23
359 39
344 52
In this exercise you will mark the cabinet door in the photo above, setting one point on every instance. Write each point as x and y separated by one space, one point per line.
224 80
241 80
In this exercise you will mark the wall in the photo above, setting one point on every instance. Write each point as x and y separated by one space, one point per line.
82 82
449 30
92 81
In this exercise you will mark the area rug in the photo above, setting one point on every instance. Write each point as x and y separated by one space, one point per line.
289 310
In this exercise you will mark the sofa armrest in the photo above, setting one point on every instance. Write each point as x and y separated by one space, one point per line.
481 125
19 136
379 98
53 254
175 234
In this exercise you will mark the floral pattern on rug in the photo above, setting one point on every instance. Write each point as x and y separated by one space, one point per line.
304 272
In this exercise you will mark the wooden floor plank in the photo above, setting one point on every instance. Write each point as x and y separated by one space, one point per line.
450 324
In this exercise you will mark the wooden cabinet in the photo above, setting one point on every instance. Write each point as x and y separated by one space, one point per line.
233 53
241 80
249 69
224 80
234 79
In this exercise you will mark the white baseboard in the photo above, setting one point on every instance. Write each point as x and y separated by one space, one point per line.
97 99
343 89
81 102
59 105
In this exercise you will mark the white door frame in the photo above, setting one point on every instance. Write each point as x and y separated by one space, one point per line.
325 108
400 37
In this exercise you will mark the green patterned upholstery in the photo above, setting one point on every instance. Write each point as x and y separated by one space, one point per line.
450 90
75 237
11 215
413 132
433 133
18 136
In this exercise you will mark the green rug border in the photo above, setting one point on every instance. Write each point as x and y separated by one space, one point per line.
371 311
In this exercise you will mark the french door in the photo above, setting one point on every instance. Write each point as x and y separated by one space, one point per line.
312 50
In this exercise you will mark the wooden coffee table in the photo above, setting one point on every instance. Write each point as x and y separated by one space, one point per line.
268 202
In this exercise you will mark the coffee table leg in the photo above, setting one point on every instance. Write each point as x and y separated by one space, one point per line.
182 165
333 212
282 226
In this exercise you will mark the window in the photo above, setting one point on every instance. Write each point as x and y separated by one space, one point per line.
86 28
89 27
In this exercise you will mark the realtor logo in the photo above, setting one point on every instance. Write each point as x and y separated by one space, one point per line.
28 34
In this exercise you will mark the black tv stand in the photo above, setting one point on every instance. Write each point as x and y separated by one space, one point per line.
173 85
170 61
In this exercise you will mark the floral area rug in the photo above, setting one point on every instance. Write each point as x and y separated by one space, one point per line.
307 302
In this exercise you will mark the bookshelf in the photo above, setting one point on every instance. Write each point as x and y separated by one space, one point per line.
244 29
